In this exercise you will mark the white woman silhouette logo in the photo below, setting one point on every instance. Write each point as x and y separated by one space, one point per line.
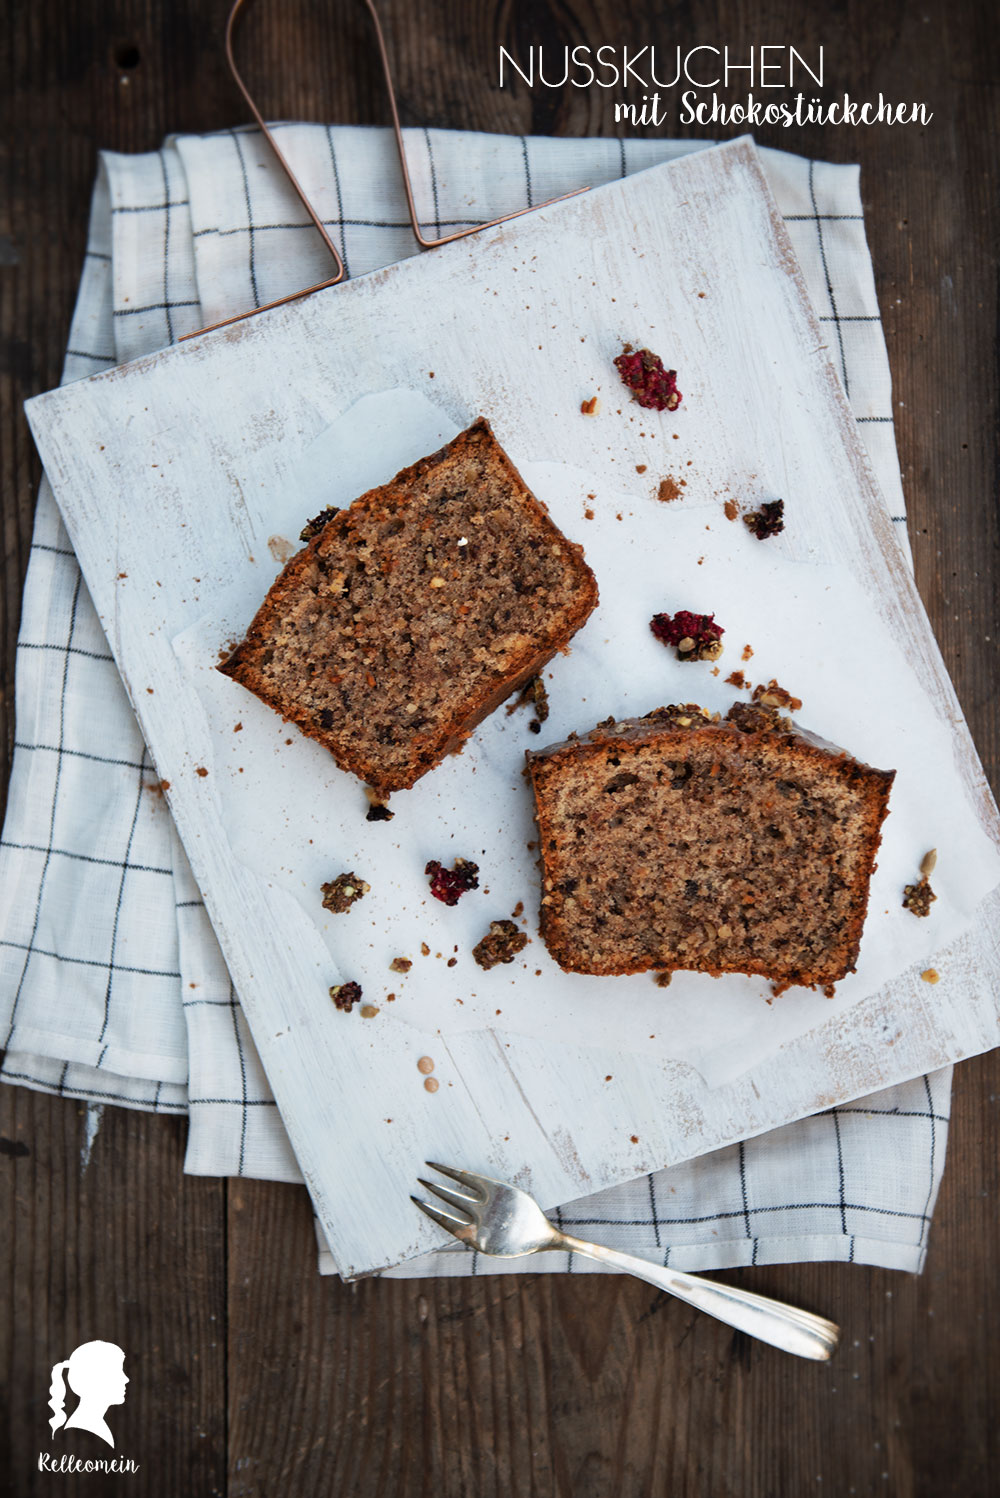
96 1373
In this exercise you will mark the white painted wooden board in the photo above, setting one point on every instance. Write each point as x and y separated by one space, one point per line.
224 420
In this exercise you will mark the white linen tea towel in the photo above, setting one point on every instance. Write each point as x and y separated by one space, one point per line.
112 986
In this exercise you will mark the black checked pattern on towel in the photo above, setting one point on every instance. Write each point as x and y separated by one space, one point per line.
740 1187
151 200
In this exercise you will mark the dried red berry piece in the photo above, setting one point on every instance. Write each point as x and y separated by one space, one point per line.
346 995
696 637
768 520
448 885
651 385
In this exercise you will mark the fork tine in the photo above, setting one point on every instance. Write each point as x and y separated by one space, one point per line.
464 1177
443 1219
457 1199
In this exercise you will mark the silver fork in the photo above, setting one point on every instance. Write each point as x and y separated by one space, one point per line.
497 1218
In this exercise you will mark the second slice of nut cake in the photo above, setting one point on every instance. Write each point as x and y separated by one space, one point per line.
679 842
417 611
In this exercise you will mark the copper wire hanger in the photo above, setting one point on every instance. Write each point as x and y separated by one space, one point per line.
418 234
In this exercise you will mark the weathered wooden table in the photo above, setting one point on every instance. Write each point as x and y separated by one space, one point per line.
258 1377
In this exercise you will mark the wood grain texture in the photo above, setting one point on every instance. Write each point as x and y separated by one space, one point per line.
566 1387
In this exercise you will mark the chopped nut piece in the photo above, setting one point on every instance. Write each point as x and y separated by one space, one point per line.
501 943
669 490
316 524
346 995
768 520
343 892
369 1011
929 862
401 964
918 898
449 885
774 696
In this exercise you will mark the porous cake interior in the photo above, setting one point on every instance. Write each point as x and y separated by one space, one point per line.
416 610
712 851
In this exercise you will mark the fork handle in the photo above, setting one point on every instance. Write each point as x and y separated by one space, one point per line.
798 1332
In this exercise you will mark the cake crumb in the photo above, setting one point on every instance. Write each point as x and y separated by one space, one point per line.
533 694
425 950
590 407
343 892
634 1138
747 653
426 1065
669 490
774 695
369 1011
662 980
201 771
829 990
346 995
919 897
318 522
931 975
400 964
431 1084
501 943
732 509
640 467
736 679
238 728
517 911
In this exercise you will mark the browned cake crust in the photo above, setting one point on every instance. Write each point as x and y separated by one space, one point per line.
678 841
414 613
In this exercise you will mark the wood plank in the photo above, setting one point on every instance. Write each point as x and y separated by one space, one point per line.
104 1238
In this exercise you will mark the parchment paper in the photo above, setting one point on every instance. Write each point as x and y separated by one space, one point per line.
292 815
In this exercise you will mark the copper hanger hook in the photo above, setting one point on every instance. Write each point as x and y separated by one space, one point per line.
421 238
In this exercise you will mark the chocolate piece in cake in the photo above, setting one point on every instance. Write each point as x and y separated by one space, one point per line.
679 841
417 611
